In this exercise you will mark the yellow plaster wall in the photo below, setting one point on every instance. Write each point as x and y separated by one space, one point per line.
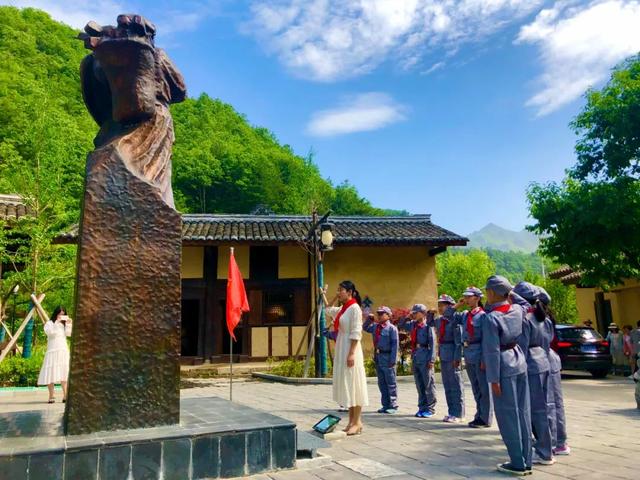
585 298
628 303
296 334
242 259
192 262
292 262
260 342
280 341
393 276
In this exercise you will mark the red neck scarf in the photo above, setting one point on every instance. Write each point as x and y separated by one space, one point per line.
470 316
414 335
336 321
502 308
443 327
376 337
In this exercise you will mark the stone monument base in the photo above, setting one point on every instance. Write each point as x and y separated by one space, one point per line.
215 439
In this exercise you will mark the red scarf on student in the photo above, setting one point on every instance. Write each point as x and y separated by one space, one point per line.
470 316
502 308
443 327
336 321
414 335
376 337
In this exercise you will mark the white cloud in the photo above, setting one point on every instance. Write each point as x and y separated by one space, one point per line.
77 13
361 113
327 40
578 46
433 68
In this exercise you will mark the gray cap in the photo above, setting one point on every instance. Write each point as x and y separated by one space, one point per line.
544 296
528 291
419 307
444 298
472 292
498 284
383 309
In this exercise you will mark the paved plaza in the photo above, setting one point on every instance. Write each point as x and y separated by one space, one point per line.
604 428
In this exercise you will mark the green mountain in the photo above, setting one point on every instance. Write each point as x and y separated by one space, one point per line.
495 237
221 163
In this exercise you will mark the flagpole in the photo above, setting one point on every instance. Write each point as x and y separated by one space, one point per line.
230 356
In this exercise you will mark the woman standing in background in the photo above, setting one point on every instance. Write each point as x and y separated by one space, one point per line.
349 377
55 368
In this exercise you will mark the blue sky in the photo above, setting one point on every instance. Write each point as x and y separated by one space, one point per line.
446 107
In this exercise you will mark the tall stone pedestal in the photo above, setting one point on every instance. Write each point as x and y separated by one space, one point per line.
126 340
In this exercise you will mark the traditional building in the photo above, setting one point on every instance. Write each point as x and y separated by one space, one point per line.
619 305
390 259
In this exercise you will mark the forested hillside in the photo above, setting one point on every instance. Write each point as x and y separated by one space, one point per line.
221 163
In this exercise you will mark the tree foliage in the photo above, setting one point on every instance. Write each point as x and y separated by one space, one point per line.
591 220
461 268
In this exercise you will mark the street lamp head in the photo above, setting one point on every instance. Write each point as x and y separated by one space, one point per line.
326 237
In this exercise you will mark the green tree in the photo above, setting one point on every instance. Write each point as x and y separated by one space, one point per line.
563 297
459 269
591 220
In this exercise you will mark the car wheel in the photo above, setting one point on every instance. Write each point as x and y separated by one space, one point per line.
602 373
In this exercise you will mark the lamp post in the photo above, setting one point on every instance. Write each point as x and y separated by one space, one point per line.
14 294
321 234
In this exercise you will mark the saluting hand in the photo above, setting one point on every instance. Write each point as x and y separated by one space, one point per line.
495 388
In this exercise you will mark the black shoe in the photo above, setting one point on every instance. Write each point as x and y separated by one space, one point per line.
478 424
511 470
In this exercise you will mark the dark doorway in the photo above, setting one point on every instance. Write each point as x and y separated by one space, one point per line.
190 327
238 345
604 316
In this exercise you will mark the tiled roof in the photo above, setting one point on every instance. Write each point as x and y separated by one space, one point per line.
12 207
351 230
566 275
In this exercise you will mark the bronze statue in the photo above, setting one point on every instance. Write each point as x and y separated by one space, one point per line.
126 344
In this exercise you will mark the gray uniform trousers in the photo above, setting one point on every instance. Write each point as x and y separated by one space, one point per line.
481 393
453 388
555 410
426 385
538 392
387 385
512 410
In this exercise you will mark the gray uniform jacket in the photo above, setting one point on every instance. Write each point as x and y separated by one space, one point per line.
503 357
425 350
449 336
386 350
535 342
472 344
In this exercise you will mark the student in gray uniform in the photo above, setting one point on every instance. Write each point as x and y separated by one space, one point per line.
449 331
423 358
471 321
535 341
385 345
555 399
506 369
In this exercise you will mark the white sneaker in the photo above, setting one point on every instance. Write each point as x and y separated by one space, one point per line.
451 419
538 460
564 450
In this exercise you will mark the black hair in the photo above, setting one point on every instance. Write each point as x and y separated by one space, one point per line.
59 309
480 304
349 286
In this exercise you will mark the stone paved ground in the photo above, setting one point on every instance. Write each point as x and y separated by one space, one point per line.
604 434
604 431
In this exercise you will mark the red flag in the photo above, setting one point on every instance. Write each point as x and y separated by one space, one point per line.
237 302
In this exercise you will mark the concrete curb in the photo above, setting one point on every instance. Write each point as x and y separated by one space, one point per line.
316 381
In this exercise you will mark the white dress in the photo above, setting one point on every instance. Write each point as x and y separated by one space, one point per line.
349 384
55 368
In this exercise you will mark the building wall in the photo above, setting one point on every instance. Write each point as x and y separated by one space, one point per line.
241 253
394 276
585 298
192 262
293 262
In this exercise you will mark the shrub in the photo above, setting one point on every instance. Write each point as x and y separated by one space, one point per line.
21 372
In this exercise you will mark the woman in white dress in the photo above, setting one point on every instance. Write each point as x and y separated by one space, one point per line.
55 368
349 377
